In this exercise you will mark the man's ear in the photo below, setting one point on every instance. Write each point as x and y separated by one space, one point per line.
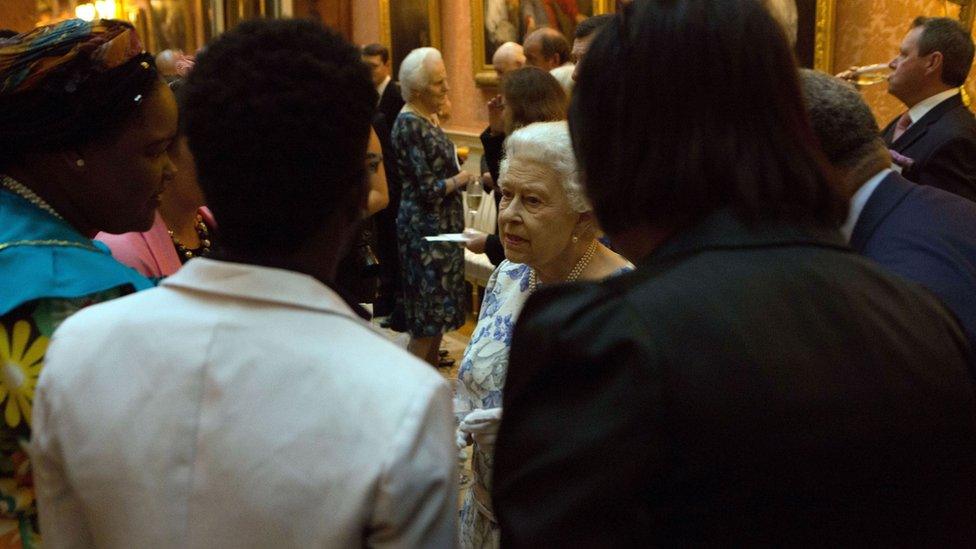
934 63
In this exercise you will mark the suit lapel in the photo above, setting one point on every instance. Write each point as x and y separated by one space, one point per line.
920 127
888 194
889 131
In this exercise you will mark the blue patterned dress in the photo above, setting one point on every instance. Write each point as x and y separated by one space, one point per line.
481 378
433 272
479 386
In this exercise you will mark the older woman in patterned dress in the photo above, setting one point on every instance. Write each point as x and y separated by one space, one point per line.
433 272
550 236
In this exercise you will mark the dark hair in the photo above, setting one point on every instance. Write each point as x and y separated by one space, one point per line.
684 108
840 118
947 36
377 49
592 24
76 104
552 42
177 84
533 95
277 117
7 33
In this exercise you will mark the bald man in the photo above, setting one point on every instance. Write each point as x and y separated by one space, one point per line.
508 57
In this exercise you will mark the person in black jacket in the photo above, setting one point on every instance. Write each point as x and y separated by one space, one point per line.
377 56
754 381
937 134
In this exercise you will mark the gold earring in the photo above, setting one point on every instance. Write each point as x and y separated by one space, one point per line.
575 239
80 163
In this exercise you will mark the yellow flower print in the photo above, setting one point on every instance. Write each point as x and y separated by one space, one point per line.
19 367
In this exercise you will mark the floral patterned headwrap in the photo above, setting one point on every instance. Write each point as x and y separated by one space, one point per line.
65 83
26 60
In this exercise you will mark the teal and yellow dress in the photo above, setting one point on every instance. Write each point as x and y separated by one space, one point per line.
48 271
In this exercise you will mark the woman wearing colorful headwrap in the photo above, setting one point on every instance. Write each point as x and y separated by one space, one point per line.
86 126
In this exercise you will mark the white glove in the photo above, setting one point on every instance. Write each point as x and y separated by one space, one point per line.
462 440
482 425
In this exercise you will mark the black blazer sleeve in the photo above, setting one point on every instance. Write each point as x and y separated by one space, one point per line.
952 167
494 249
578 354
494 147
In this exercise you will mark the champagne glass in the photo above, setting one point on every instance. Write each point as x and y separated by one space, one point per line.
871 74
475 194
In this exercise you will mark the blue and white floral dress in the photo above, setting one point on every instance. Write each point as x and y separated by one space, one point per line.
480 381
481 378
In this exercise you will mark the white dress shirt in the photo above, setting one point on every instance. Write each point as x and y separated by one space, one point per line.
382 88
239 406
924 106
859 199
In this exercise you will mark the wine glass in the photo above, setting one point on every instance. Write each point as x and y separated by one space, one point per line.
871 74
475 193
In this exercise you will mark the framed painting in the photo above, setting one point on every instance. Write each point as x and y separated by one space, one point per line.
494 22
409 25
815 34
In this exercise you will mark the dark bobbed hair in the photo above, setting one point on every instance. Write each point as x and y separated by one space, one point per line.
947 36
684 108
277 117
377 49
74 105
533 95
841 120
591 24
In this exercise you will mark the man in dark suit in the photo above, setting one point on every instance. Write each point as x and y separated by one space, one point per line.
920 232
754 381
390 103
938 133
377 56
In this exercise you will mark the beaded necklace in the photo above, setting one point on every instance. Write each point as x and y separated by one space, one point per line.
578 269
20 190
203 232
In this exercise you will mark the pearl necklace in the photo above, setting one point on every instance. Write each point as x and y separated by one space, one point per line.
202 231
20 190
578 269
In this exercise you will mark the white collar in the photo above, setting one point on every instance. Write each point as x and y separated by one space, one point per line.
859 199
254 283
924 106
382 87
432 117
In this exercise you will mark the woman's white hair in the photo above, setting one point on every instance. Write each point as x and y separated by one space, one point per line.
548 144
413 71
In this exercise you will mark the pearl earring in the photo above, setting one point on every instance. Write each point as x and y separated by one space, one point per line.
80 163
575 239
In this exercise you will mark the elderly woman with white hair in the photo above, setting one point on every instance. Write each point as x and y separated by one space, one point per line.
550 236
433 272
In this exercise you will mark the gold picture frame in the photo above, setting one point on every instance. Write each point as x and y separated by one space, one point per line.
387 24
484 72
823 42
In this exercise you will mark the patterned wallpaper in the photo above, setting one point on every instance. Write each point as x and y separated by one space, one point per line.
870 31
17 15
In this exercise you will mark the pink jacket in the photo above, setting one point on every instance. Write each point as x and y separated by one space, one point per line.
151 253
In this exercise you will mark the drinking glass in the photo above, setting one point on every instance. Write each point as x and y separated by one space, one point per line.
871 74
475 194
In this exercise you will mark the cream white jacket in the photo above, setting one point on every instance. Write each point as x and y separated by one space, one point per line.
239 406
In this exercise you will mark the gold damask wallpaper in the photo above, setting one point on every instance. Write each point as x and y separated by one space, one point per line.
870 31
